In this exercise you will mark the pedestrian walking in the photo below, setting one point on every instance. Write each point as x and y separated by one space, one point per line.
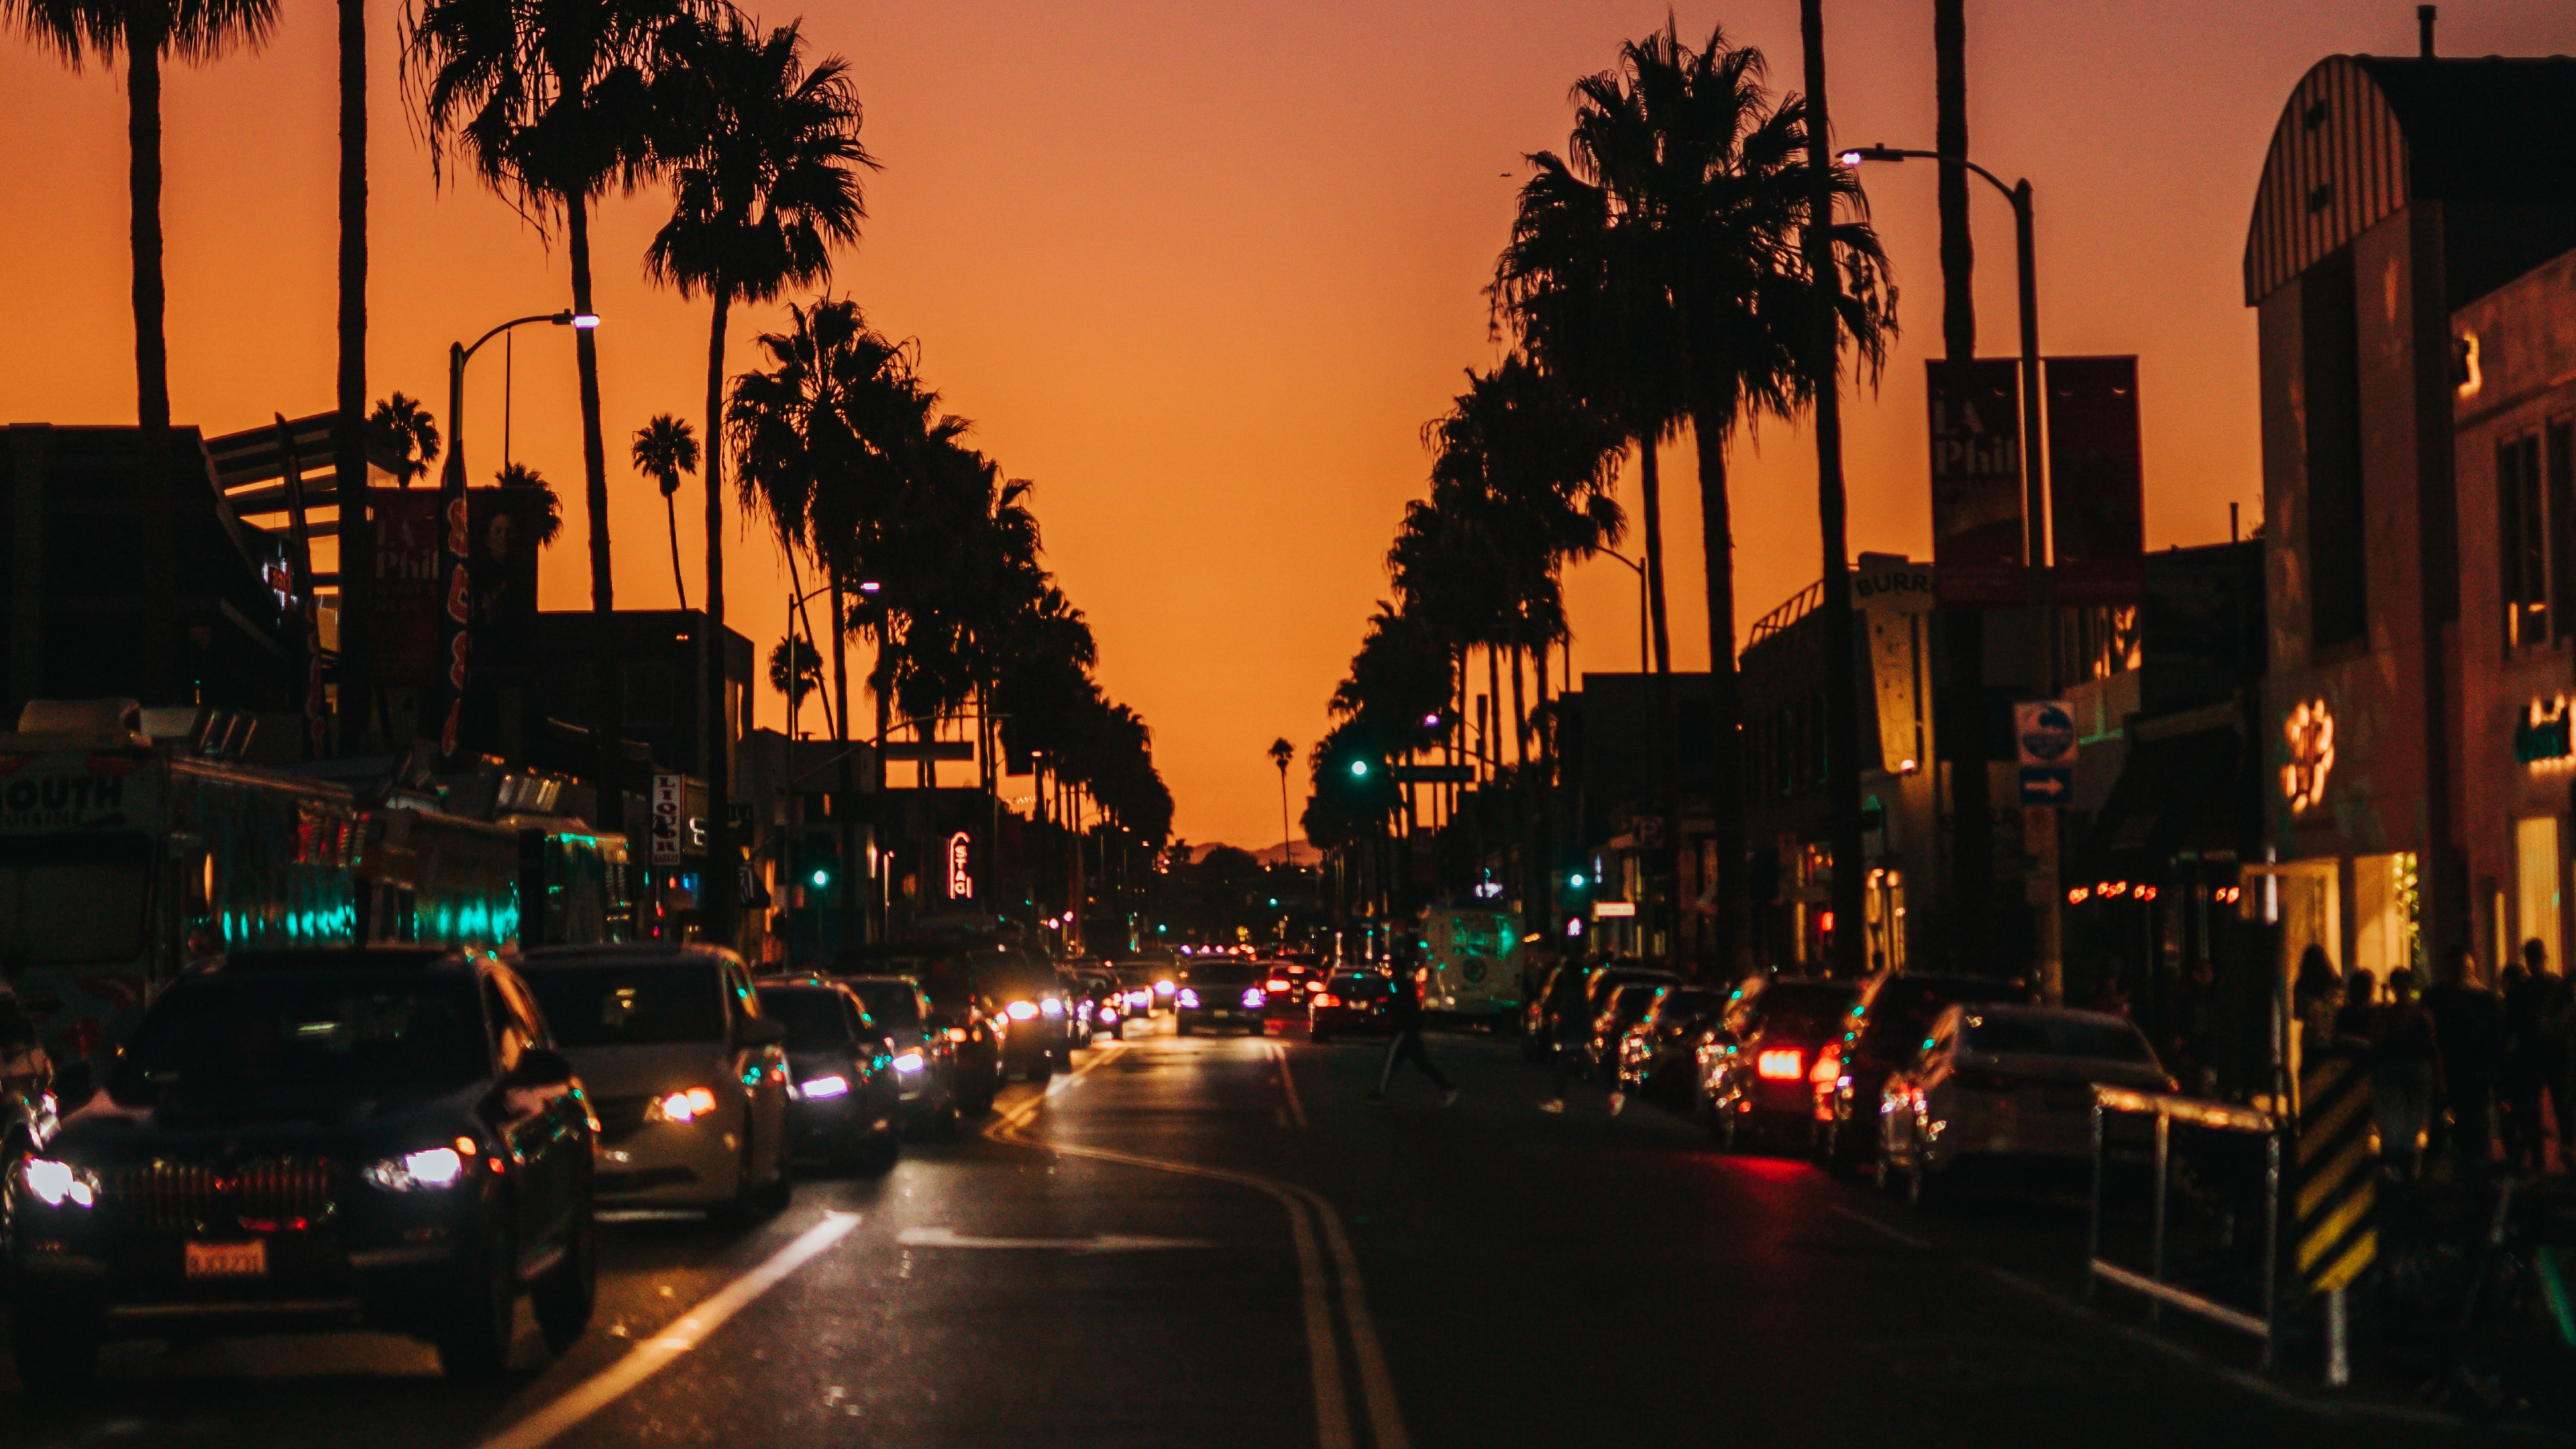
2526 1066
1404 1011
2558 1060
2468 1040
1568 1028
2401 1078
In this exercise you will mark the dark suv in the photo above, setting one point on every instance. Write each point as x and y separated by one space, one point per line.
382 1137
1219 991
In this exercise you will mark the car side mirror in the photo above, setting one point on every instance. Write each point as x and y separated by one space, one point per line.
539 1067
759 1032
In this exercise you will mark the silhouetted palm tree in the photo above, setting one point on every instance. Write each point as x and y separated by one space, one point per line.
664 449
795 670
349 445
550 102
549 526
145 32
402 438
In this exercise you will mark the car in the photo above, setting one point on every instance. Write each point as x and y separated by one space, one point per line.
2006 1086
1149 987
1093 1004
1752 1065
27 1105
1656 1057
1349 1003
383 1137
1622 1006
1025 999
1882 1032
687 1075
925 1060
1219 991
1562 995
841 1090
1287 985
945 974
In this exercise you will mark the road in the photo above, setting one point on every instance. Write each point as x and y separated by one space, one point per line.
1220 1242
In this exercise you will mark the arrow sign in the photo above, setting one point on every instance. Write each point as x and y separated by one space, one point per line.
2041 785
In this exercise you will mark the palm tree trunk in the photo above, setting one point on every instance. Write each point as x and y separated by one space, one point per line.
1520 715
610 703
1665 730
1842 694
349 450
1726 698
846 811
671 511
715 753
1972 824
146 26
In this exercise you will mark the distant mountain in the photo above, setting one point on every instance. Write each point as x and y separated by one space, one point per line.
1305 855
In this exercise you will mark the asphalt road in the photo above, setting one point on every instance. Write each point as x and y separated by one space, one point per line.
1220 1242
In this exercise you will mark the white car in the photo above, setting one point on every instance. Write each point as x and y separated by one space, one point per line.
2001 1085
688 1079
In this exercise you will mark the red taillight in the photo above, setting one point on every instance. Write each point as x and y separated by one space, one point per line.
1274 984
1781 1064
1326 998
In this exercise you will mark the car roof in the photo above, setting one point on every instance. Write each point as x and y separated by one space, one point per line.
883 980
627 953
346 958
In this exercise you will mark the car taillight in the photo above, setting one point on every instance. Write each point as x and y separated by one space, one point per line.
1780 1064
1828 1066
1326 998
1274 984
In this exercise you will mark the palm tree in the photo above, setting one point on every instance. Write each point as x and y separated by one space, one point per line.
402 438
795 671
550 102
549 526
144 32
766 155
349 450
664 449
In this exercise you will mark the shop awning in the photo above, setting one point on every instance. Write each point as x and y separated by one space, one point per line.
2173 795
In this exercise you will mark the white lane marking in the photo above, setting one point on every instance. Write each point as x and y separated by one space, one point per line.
657 1353
1875 1226
1332 1406
1097 1243
1288 1084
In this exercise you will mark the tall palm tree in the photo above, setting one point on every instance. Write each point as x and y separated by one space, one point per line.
664 449
145 32
349 450
402 438
550 102
766 157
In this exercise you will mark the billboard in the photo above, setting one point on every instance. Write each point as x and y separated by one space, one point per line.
501 573
1976 484
2096 508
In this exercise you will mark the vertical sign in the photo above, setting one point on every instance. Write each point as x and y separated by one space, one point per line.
2044 738
403 598
666 819
1976 484
2095 482
961 856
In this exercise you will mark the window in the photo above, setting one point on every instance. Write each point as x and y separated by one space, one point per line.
2330 372
2535 860
2523 545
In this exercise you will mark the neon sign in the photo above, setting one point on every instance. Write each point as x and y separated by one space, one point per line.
2310 730
961 880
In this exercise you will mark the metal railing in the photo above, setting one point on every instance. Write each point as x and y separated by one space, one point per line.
2192 1264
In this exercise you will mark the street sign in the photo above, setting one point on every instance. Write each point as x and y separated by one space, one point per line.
666 819
2043 785
2044 733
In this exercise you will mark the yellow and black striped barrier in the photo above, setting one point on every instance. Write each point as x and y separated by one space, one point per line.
2338 1173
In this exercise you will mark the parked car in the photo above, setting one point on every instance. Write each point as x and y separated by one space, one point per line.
1349 1003
1656 1056
946 975
1882 1033
1097 1004
841 1094
688 1078
2006 1086
1219 991
27 1104
383 1137
1622 1006
925 1060
1753 1063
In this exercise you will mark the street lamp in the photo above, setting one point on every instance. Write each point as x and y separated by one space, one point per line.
455 630
1645 663
2033 467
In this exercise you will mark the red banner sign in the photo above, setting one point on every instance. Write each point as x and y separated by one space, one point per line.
1976 485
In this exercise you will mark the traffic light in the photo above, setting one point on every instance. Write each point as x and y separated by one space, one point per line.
814 866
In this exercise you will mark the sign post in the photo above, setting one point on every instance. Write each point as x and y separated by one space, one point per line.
667 809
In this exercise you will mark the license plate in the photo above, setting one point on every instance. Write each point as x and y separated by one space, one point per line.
1222 1012
228 1260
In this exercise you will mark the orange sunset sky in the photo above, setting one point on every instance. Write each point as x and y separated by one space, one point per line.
1202 272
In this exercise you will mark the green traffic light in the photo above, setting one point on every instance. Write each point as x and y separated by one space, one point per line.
1359 769
822 877
1575 880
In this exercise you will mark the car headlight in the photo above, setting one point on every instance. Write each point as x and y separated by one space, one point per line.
1252 996
816 1089
956 1033
686 1106
1162 988
1189 998
908 1062
1022 1010
1051 1007
56 1183
431 1167
1109 1013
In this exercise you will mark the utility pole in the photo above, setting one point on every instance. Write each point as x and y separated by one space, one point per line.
1850 950
1963 719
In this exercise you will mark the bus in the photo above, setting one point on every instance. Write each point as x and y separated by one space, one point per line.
1473 953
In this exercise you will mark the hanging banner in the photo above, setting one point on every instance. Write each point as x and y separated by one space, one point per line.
2096 503
403 600
1976 484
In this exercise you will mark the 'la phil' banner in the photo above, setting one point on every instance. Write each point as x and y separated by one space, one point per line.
2096 504
1976 484
501 528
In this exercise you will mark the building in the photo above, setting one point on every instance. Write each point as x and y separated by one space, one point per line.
2409 533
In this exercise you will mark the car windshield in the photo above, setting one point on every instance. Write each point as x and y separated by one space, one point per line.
811 1014
1013 978
1905 1007
632 1005
337 1031
947 981
1801 1012
2094 1038
890 1003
